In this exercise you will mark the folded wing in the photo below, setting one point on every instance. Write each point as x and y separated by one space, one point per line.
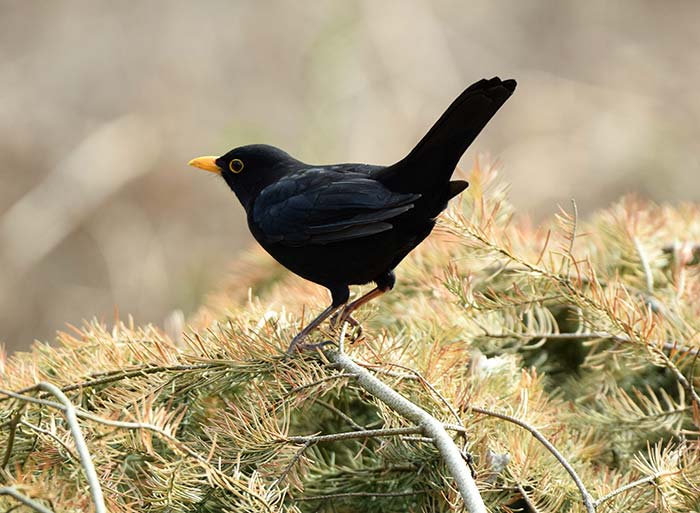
322 206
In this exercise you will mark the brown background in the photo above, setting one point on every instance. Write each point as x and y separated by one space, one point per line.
103 103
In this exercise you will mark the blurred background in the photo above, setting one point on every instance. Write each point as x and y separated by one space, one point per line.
103 103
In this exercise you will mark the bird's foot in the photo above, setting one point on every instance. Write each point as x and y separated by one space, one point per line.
343 316
296 343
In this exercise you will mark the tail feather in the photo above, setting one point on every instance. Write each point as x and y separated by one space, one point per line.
455 187
431 163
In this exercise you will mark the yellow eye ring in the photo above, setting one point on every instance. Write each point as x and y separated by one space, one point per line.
236 166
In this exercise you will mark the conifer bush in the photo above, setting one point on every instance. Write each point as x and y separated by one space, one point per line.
562 360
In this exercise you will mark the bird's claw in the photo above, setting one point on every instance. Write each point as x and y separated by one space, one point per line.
337 320
296 344
356 332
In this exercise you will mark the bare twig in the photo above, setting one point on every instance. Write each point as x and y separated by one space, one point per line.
415 438
319 381
347 418
427 385
240 489
143 371
52 436
679 375
16 418
574 226
288 468
587 499
628 486
526 498
429 425
648 275
668 346
15 494
350 435
358 494
83 452
121 374
308 441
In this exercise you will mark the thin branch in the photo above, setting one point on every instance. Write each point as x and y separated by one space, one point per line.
423 439
429 386
430 427
83 452
570 287
319 381
648 275
555 336
347 418
52 436
288 468
668 346
30 399
679 375
574 226
377 369
358 494
628 486
114 376
308 441
16 418
241 489
587 499
526 498
367 433
15 494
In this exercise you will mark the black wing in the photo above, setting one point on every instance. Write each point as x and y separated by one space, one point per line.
321 206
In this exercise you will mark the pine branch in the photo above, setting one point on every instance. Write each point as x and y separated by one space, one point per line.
628 486
587 499
72 415
346 495
224 422
430 427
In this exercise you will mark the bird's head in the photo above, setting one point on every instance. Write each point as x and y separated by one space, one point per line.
249 169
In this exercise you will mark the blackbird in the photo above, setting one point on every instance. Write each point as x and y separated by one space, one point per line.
351 224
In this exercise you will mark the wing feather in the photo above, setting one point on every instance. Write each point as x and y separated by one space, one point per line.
325 206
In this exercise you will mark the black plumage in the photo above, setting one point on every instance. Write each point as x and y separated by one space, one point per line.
350 224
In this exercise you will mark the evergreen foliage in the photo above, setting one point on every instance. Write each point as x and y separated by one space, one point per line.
586 332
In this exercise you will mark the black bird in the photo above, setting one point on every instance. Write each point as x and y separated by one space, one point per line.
350 224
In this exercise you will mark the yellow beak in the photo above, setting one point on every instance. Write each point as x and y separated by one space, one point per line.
206 163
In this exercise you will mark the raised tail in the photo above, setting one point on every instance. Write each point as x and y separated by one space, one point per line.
431 163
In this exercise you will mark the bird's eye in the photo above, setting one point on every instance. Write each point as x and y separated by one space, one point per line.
236 166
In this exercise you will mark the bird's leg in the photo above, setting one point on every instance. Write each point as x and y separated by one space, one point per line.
384 284
345 315
310 327
340 295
